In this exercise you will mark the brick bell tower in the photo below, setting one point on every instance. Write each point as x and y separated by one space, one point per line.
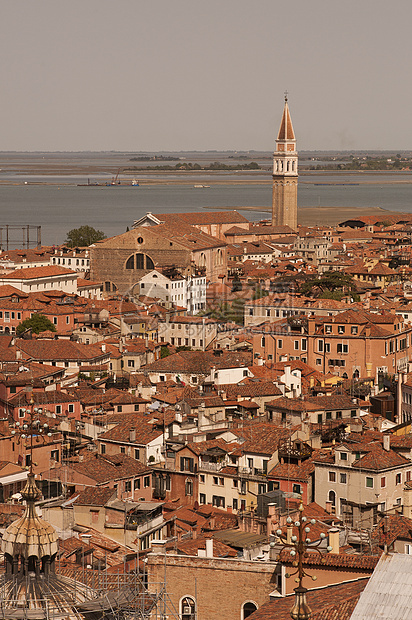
285 174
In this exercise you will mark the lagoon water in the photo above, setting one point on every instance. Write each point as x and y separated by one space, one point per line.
61 204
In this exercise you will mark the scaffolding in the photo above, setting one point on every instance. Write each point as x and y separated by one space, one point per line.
86 593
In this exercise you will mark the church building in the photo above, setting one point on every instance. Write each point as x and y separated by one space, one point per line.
285 174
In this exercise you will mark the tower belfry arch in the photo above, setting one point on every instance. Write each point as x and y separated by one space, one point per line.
285 173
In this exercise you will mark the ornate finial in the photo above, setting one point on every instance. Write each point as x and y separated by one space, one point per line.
286 96
299 546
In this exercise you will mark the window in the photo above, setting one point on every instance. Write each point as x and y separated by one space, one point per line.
136 453
280 344
343 456
354 330
189 487
71 408
398 479
127 486
202 478
119 408
122 450
383 482
369 482
342 478
408 476
332 476
54 454
215 480
297 488
187 608
186 464
102 448
320 346
261 488
353 413
95 516
296 345
339 415
221 481
341 329
218 501
328 329
136 484
318 361
146 481
248 609
329 415
342 348
304 344
234 504
202 498
130 363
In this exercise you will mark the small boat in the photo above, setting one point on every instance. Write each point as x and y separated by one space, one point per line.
135 183
201 186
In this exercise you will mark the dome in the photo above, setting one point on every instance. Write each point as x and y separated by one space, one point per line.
30 536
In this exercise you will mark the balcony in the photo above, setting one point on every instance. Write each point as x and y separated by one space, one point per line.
250 472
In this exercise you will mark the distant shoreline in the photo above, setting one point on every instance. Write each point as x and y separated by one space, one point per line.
322 216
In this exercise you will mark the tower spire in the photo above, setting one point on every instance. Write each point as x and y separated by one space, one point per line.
285 173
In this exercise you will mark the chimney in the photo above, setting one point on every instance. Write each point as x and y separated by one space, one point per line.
103 348
387 442
334 540
132 435
328 507
18 354
209 547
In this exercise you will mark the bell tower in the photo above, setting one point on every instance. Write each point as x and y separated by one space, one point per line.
285 174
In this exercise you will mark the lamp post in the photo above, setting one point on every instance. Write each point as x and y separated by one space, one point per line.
299 546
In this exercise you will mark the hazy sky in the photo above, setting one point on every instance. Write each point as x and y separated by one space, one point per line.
204 74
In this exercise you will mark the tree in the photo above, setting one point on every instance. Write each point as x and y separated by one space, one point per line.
83 236
37 323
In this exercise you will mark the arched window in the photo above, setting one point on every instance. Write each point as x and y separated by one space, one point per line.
248 609
139 261
332 497
109 287
187 608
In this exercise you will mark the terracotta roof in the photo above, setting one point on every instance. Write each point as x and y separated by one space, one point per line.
106 468
95 496
145 432
391 528
289 471
31 273
191 547
334 602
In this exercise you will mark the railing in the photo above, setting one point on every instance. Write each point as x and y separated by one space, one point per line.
252 471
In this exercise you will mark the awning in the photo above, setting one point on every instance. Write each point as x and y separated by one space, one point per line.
22 475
